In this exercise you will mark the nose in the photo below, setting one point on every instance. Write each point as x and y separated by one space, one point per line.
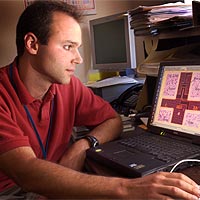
78 58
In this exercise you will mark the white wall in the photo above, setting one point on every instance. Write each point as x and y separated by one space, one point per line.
10 11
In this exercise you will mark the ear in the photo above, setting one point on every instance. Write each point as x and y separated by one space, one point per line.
31 43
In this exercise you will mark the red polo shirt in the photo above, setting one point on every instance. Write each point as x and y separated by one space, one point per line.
74 105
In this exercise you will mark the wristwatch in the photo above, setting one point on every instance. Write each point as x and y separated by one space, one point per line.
92 140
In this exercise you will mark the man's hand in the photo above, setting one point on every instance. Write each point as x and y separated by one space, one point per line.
163 185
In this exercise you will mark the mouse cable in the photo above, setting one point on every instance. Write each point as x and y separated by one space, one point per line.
180 162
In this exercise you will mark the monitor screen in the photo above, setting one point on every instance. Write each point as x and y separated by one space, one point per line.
176 106
112 43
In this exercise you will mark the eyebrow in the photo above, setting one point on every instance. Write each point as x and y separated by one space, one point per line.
74 43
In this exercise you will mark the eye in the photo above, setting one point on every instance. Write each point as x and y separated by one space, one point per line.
68 47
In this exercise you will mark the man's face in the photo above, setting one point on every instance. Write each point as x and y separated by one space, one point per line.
57 60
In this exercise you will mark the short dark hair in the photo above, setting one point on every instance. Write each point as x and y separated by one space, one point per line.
37 18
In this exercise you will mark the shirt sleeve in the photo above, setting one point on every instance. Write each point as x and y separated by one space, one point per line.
91 109
11 135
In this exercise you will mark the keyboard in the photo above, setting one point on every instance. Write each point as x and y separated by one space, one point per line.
162 148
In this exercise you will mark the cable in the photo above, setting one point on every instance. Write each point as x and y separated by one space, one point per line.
180 162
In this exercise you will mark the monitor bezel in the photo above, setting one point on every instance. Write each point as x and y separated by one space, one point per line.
129 42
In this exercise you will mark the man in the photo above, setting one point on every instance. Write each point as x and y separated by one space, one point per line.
40 102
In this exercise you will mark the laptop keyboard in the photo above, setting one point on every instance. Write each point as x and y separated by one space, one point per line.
162 148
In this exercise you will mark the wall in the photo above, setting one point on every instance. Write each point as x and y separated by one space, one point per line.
10 11
103 8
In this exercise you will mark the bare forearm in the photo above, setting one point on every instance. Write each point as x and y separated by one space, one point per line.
109 130
54 181
74 157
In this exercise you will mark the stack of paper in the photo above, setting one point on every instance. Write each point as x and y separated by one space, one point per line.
116 80
152 20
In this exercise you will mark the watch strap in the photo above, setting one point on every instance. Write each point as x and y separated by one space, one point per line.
92 140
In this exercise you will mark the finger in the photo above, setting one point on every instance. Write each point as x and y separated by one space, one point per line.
180 181
178 193
185 178
185 183
179 184
187 187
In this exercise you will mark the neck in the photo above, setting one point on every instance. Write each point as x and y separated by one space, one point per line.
32 80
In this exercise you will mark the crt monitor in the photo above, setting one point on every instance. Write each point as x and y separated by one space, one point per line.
112 43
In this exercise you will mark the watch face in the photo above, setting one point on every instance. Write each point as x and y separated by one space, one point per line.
93 141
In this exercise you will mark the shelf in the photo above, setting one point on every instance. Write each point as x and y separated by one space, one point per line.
183 33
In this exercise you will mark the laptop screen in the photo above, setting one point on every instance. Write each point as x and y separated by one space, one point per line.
177 99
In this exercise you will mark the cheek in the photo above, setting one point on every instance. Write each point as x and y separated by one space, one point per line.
49 58
59 55
55 56
49 51
44 54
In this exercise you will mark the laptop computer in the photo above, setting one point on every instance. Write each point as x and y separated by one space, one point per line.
173 127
